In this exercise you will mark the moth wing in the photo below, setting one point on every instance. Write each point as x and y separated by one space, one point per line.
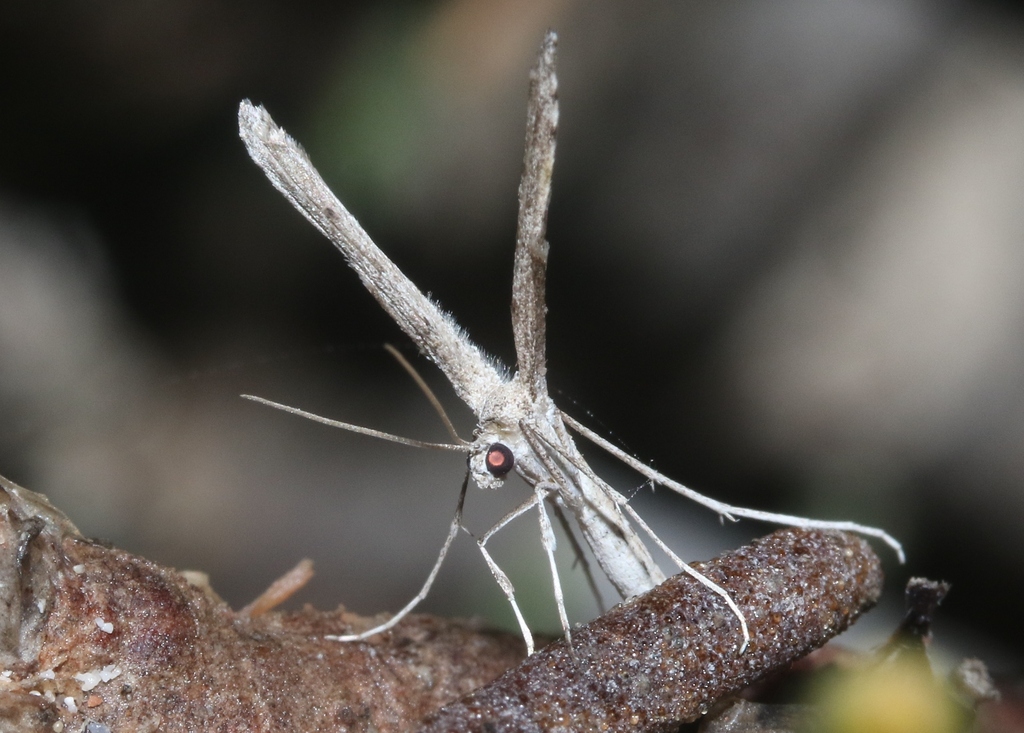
528 304
472 373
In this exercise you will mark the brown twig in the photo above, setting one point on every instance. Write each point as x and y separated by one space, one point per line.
93 635
280 590
663 658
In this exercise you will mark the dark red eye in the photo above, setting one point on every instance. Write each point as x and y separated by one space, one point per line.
499 459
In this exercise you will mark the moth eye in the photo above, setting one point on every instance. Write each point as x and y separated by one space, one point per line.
499 459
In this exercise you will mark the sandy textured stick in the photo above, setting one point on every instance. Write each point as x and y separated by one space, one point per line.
663 658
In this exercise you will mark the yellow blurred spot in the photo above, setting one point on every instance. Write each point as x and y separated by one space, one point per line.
896 697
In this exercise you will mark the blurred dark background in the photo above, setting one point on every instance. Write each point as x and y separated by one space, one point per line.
787 251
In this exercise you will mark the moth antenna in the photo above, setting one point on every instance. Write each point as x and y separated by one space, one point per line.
425 388
461 447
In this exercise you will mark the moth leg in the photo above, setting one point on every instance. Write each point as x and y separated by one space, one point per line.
581 557
453 530
702 579
548 541
623 503
501 523
499 575
805 523
726 510
554 484
547 538
510 594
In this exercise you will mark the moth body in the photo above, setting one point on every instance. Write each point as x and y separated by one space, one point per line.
519 427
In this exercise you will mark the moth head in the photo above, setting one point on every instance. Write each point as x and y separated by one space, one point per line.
499 460
493 457
490 463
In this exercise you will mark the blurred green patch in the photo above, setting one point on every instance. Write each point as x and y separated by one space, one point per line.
371 122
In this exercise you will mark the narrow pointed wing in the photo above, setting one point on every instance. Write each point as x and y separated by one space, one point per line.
471 372
528 308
